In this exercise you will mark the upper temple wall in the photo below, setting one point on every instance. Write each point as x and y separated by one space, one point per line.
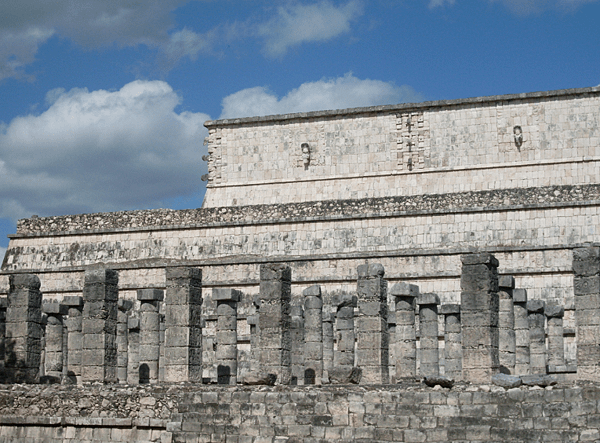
412 149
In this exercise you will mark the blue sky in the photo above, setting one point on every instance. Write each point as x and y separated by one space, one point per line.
102 101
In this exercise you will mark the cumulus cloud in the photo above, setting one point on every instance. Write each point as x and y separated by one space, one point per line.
338 93
299 23
2 253
101 151
27 24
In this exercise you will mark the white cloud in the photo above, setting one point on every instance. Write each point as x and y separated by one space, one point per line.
101 151
2 253
437 3
27 24
525 7
339 93
297 23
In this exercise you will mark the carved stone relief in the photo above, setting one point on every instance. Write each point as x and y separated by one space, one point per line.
413 145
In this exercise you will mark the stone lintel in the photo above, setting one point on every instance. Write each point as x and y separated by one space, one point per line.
554 311
252 320
183 272
506 282
484 258
55 309
536 306
449 309
133 323
150 294
24 281
403 289
520 296
428 298
226 294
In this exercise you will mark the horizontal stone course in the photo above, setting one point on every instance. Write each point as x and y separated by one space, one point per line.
403 412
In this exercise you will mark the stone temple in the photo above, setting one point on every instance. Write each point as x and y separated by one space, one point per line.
340 259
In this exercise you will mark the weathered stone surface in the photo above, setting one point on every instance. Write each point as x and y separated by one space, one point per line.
507 381
542 380
259 378
345 375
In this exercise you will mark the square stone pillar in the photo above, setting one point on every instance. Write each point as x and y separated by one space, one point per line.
586 287
479 317
133 350
183 329
452 341
428 326
556 340
53 362
124 306
406 339
227 355
506 324
149 349
537 336
313 335
23 344
74 322
372 347
99 326
522 353
343 355
297 347
275 321
327 345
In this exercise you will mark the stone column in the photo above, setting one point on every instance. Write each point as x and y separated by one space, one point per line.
183 330
406 338
537 336
327 345
343 356
99 326
372 345
586 287
428 326
227 355
124 306
297 347
23 328
556 340
133 350
73 322
149 349
252 321
506 324
522 353
275 322
452 341
479 317
313 335
53 363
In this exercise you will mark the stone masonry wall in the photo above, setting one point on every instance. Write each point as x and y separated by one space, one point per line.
519 141
409 412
